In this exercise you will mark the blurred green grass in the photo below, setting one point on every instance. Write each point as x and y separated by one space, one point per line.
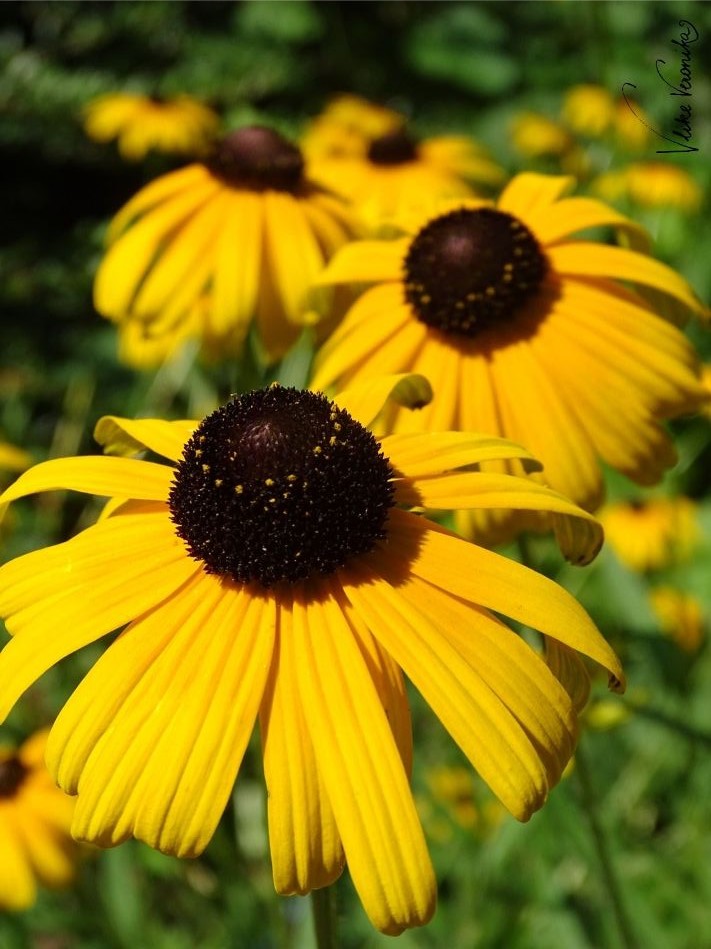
466 67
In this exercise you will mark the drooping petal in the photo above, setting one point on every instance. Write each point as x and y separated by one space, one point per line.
554 222
305 845
161 764
125 436
585 259
361 769
105 477
475 717
416 455
496 583
364 401
238 261
17 882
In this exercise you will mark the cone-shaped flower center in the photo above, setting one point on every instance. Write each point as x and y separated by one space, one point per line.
278 485
395 148
258 158
468 270
12 774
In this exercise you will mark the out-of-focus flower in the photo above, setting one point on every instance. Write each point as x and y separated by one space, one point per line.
588 110
631 125
141 124
651 534
653 184
204 250
706 382
35 817
606 714
276 568
346 126
680 615
12 460
535 136
525 332
385 171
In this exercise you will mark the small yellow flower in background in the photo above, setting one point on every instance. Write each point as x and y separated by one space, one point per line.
524 332
453 787
35 817
12 460
588 110
275 569
706 382
606 714
141 124
680 615
652 534
346 126
385 171
535 135
631 126
653 184
204 250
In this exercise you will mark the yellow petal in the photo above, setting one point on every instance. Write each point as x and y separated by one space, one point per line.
487 579
416 455
13 459
60 599
555 222
568 668
531 194
362 770
305 845
124 436
474 716
47 852
238 260
163 769
365 401
17 882
585 259
367 262
106 477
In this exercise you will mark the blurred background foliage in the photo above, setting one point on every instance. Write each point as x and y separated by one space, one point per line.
464 67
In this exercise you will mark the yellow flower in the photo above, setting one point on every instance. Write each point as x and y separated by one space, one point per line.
651 534
524 332
346 126
11 460
680 615
203 250
275 569
706 382
395 173
535 135
142 123
35 817
453 788
653 184
588 110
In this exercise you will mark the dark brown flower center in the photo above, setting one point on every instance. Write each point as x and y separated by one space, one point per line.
258 158
395 148
471 269
12 773
278 485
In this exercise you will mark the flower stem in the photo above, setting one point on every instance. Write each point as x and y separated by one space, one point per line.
323 907
609 875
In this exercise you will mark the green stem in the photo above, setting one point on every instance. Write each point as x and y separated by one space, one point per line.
323 907
609 874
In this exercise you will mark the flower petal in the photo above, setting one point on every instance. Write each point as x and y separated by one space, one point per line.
576 214
125 436
421 455
366 262
62 598
496 583
364 401
305 845
17 883
530 193
105 477
162 763
238 261
586 259
361 769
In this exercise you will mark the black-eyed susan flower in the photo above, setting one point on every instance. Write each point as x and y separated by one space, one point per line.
205 250
525 332
588 109
652 534
35 817
141 124
536 136
680 615
346 126
275 569
651 184
395 172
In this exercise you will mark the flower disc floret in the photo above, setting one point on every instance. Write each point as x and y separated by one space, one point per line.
395 148
12 774
278 485
258 158
471 269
